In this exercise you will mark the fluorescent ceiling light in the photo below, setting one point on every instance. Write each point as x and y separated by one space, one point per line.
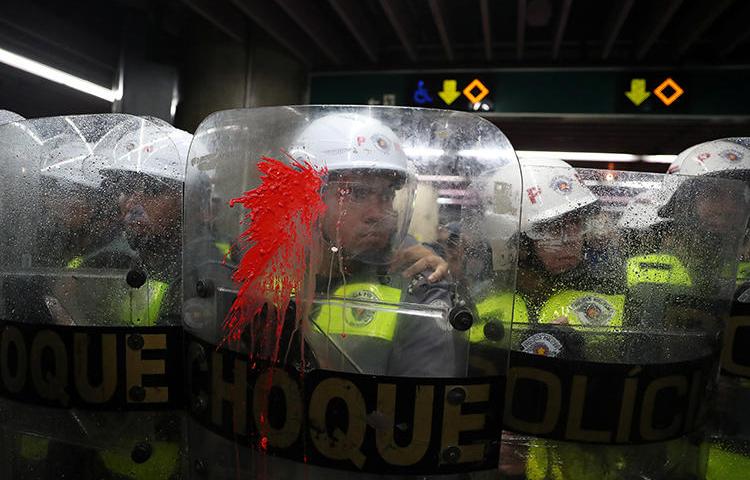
483 153
584 156
423 151
58 76
659 158
490 153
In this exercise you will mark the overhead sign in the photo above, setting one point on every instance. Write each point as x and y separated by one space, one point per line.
668 91
637 93
668 99
449 92
698 91
474 91
421 95
482 91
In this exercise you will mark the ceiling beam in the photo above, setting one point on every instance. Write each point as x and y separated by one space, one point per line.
655 25
399 18
484 8
562 23
317 26
359 26
696 21
520 28
276 24
56 37
612 27
735 32
222 16
437 7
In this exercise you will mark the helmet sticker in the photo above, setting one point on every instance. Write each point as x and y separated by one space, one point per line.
593 310
533 192
703 157
362 316
360 140
731 154
542 344
562 184
381 142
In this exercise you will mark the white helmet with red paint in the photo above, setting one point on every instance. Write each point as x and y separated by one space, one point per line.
347 141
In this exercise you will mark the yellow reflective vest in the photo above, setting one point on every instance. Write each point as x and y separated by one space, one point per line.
556 460
743 273
361 309
498 311
658 268
141 308
724 464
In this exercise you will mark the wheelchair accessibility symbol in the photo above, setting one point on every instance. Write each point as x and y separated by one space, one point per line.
421 95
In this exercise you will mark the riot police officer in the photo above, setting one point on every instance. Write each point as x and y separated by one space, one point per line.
728 448
328 199
362 224
590 321
101 389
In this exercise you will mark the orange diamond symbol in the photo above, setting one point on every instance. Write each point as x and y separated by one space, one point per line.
667 100
470 87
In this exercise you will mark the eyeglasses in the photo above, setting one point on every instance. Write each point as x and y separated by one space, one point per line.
147 184
358 192
559 233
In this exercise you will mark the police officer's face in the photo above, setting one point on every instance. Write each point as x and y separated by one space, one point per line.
360 215
560 247
148 214
718 211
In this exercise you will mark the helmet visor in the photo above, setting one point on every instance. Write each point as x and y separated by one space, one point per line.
368 213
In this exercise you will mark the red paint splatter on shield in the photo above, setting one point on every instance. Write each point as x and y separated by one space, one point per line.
282 212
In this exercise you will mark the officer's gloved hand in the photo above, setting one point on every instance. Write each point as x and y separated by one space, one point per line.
418 258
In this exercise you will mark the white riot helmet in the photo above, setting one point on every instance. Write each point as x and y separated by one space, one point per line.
150 149
723 158
642 212
359 148
345 141
548 190
552 189
6 116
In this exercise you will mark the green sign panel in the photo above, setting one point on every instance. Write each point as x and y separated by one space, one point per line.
721 91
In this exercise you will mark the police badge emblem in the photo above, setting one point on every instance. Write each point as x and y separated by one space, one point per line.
593 310
562 184
381 142
361 316
542 344
731 154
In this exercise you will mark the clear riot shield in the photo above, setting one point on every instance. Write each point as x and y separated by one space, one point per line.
339 336
611 375
90 223
729 443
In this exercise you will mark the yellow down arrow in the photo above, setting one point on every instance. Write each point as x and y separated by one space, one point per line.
637 93
449 93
